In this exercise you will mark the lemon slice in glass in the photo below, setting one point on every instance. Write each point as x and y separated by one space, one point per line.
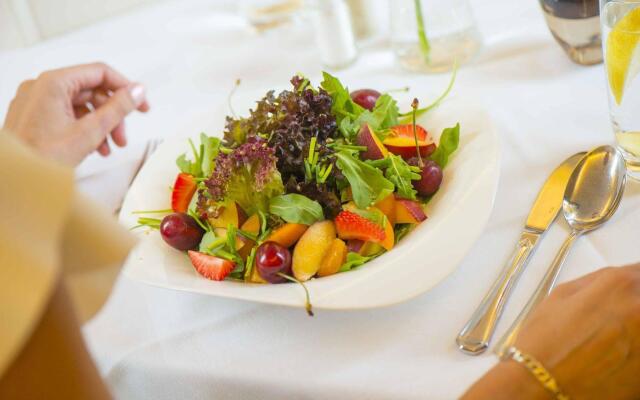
623 56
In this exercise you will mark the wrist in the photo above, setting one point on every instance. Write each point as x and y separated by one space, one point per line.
507 380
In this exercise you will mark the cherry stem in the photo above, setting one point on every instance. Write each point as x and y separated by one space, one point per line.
307 303
414 106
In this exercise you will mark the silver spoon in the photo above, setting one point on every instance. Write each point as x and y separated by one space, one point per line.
592 196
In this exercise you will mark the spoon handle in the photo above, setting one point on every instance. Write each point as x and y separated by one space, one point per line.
475 335
544 288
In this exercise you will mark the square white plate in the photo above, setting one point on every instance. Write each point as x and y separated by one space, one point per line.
457 216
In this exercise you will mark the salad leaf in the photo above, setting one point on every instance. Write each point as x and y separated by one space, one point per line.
400 173
191 167
449 141
354 260
385 113
368 185
203 157
211 147
296 208
342 106
248 176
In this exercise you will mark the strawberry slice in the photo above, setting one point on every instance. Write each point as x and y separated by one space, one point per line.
353 226
211 267
183 189
406 130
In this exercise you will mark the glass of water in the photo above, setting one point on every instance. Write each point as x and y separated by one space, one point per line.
621 36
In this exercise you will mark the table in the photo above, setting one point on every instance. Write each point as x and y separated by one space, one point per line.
152 343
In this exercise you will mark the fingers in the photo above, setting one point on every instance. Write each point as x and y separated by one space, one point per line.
108 117
82 80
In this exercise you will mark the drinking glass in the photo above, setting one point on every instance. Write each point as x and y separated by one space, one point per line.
575 24
449 27
621 35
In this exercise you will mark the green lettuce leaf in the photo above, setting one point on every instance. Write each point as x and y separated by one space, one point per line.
296 208
449 141
368 185
354 260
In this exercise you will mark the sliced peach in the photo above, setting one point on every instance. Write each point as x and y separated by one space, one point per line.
230 213
334 258
252 224
405 147
287 234
312 248
388 207
389 239
375 149
409 212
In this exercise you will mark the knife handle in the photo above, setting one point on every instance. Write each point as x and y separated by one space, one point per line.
475 335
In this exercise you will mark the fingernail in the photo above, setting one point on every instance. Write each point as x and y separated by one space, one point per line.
137 93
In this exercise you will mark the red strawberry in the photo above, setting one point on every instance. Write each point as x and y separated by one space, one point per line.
406 130
211 267
183 190
353 226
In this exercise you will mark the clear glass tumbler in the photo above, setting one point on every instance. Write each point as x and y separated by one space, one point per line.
575 24
432 35
621 36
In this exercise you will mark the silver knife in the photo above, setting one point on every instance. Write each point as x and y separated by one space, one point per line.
475 335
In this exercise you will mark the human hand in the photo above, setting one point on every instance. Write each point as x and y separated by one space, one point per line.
52 113
586 333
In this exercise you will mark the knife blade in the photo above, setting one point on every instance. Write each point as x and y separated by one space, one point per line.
475 336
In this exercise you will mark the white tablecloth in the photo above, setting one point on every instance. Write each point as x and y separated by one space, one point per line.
152 343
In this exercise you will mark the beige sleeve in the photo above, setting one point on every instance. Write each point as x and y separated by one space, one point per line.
49 232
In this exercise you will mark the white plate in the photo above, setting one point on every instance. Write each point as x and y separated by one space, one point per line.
457 216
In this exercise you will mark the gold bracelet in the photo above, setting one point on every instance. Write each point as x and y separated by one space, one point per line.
539 372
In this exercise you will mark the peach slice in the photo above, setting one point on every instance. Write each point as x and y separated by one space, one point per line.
388 207
405 147
389 238
287 234
230 213
311 249
409 212
255 277
252 224
375 149
334 258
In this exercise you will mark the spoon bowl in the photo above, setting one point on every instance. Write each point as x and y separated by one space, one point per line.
595 189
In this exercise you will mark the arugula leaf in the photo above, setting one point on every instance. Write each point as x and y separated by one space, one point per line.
355 260
296 208
399 173
449 141
368 185
211 147
385 113
342 105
